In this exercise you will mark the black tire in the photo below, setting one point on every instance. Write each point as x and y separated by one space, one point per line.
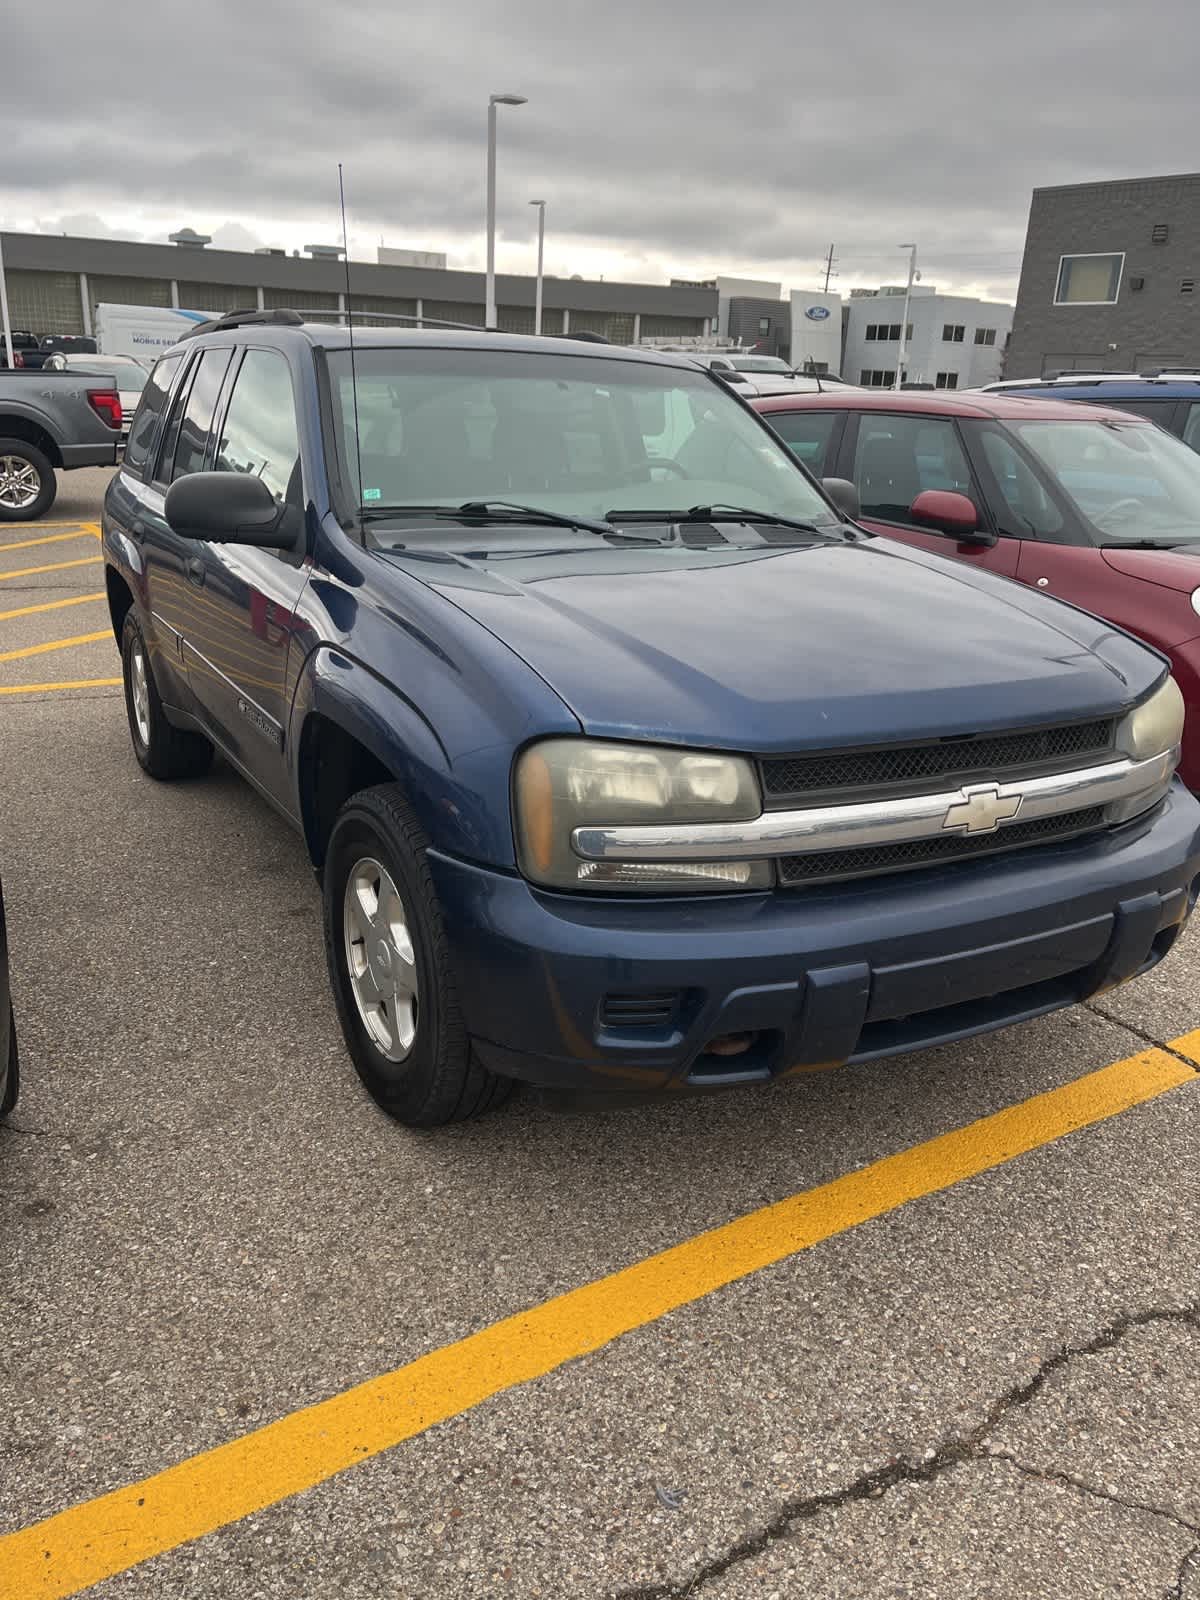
12 1082
441 1080
163 751
48 483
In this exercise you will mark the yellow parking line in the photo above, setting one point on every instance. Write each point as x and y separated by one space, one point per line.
51 605
78 1547
78 683
58 566
49 538
55 644
72 522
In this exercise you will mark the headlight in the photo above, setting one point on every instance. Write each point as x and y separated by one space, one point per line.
1196 601
564 784
1154 726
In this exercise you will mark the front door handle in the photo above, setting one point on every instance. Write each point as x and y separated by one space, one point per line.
195 572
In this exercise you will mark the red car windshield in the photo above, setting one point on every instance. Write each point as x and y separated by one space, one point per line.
1131 483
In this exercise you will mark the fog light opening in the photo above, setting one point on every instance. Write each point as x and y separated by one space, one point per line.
730 1044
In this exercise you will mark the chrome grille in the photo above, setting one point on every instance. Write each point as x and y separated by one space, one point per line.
986 755
870 860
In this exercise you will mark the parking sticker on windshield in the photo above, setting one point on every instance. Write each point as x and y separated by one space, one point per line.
372 494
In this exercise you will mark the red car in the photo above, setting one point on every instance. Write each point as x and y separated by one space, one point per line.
1091 505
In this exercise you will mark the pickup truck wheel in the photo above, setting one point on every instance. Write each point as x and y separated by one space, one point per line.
12 1082
389 964
27 482
162 751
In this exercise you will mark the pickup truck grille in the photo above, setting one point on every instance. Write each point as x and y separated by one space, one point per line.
871 860
867 773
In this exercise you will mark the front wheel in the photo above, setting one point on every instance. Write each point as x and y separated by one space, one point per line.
389 964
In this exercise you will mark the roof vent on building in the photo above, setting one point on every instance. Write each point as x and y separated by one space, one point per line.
1158 233
269 250
1187 285
190 239
323 252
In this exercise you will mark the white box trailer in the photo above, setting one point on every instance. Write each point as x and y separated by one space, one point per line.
143 331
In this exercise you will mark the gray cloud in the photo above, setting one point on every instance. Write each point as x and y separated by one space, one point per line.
681 138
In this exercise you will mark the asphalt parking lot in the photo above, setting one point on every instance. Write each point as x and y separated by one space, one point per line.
945 1341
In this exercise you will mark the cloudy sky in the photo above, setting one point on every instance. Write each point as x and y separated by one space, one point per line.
669 138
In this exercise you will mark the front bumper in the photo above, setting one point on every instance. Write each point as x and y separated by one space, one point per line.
845 973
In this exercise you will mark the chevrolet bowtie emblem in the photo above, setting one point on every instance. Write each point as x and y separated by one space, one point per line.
981 809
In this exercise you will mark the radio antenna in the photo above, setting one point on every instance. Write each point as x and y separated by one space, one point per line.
362 531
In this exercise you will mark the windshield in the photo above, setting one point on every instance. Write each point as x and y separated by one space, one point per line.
582 435
132 379
761 364
1133 483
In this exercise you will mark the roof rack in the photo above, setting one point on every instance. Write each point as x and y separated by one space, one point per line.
282 316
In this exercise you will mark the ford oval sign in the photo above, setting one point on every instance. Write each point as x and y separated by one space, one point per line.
817 313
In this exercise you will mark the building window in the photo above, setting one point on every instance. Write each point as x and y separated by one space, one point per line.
872 331
764 327
946 380
1187 285
1158 233
954 333
875 378
1091 280
985 335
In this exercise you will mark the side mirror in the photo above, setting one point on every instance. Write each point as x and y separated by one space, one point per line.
228 508
844 496
950 512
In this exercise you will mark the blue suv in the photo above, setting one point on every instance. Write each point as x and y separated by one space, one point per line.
1172 402
626 761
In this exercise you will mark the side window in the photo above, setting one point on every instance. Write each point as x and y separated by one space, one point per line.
806 434
150 409
1027 508
198 413
1191 428
896 457
1160 411
259 434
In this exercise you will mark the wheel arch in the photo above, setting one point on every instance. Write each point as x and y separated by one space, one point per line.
17 425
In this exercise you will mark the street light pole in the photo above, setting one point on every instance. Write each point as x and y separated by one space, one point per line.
912 272
494 100
537 300
8 345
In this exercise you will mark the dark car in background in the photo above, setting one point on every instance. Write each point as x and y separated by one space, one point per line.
1094 506
627 763
1173 401
27 350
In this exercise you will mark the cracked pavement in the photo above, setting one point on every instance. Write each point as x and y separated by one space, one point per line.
993 1391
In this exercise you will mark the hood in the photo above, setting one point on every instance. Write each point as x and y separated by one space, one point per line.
1172 569
767 649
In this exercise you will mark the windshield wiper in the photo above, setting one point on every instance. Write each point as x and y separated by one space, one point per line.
1143 544
724 513
501 511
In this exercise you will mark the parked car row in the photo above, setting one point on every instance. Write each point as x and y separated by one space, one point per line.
627 761
32 353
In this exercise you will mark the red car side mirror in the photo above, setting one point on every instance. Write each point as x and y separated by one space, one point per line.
949 512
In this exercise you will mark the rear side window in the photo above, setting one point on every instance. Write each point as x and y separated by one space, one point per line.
146 419
198 416
898 456
1191 428
1160 411
806 434
259 434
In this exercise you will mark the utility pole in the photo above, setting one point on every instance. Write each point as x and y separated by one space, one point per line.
7 327
829 260
912 273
